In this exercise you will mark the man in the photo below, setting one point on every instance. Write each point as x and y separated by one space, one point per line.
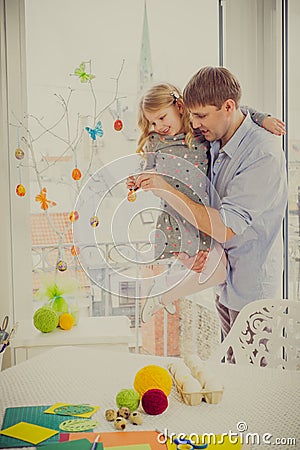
248 193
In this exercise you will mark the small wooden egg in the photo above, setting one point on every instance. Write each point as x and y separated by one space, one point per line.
120 423
123 412
110 415
136 418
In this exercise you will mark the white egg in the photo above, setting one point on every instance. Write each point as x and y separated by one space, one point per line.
203 375
191 385
213 384
182 371
180 379
189 358
176 365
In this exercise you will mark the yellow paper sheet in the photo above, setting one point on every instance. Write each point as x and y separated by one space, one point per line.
29 432
85 415
217 441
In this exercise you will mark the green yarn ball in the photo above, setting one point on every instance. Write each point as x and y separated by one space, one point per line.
45 319
129 398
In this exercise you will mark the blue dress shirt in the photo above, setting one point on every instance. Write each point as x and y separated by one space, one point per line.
249 188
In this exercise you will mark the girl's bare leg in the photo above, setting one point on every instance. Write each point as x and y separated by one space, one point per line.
213 274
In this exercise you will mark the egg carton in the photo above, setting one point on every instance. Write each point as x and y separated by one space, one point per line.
195 398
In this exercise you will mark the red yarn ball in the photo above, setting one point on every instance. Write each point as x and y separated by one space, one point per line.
154 402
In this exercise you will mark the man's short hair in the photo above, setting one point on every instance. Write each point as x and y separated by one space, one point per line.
212 86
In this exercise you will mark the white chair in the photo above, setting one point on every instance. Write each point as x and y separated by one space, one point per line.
265 333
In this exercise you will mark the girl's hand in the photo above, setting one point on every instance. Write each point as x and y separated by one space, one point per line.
131 182
150 181
195 263
274 125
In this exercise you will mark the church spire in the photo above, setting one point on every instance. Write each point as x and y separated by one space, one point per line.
146 72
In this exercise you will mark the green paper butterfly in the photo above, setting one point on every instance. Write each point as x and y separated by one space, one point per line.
81 73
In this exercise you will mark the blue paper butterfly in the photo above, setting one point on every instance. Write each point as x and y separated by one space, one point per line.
97 131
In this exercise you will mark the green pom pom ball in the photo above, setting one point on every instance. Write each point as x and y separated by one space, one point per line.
45 319
129 398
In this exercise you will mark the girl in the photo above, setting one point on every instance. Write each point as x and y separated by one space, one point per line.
170 147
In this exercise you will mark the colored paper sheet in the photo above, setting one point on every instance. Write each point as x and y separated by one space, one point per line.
130 447
217 441
79 444
120 438
86 415
30 414
89 435
29 432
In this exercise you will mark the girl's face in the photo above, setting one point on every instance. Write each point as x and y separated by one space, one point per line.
167 121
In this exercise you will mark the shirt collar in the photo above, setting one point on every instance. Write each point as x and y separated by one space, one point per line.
231 146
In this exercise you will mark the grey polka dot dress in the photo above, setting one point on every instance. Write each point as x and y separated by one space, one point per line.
185 169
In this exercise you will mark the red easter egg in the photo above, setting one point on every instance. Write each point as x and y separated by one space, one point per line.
76 174
118 125
20 190
75 250
74 215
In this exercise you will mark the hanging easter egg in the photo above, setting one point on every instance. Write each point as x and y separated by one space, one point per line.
76 174
75 250
20 190
19 153
74 215
94 221
61 265
118 125
131 197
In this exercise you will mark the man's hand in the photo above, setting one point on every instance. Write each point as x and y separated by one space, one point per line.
195 263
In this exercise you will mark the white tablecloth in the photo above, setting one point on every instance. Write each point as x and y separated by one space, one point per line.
267 400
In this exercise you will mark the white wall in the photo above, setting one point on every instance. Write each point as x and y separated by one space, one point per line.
252 51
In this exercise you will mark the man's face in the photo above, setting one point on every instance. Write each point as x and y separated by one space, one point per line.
212 122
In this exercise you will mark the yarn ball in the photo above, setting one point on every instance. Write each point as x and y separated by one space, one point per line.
129 398
154 402
45 319
66 321
152 377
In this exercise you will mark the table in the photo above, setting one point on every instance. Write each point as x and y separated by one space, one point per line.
267 400
112 333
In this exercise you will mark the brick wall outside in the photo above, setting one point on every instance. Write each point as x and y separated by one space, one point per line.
193 329
153 334
199 330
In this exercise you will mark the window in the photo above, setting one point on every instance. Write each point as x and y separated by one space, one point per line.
44 49
127 293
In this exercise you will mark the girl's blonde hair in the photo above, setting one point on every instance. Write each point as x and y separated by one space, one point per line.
158 97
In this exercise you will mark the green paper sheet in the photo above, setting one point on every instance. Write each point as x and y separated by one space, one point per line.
30 414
